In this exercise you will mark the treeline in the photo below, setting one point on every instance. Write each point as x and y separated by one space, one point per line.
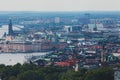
33 72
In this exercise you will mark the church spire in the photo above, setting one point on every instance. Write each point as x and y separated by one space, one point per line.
10 30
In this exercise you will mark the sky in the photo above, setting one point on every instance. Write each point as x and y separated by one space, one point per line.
59 5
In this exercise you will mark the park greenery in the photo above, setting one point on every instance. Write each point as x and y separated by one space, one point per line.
33 72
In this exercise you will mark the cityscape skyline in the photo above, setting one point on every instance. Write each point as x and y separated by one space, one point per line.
52 40
59 5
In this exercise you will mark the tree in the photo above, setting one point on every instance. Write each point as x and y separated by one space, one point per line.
12 78
29 75
71 75
26 67
100 74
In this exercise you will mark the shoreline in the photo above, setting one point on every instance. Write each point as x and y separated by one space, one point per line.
25 52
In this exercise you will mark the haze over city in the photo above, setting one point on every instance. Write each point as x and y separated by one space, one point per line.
59 5
59 40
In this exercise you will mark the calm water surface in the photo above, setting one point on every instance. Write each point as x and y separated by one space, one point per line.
14 58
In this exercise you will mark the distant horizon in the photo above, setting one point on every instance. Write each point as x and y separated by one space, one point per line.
57 12
64 11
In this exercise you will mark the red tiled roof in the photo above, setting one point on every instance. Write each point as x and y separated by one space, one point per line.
118 50
63 64
67 63
98 47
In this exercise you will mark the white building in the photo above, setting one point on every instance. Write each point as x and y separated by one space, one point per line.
57 20
100 27
67 29
74 28
95 27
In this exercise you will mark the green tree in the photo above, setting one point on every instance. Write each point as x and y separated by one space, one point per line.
100 74
12 78
71 75
26 67
29 75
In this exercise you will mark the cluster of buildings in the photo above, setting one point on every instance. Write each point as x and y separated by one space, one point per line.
89 45
14 42
83 48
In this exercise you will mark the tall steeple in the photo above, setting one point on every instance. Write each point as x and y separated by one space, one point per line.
10 30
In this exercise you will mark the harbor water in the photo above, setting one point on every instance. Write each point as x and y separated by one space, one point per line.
14 58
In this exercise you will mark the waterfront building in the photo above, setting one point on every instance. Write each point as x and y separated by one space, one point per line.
25 46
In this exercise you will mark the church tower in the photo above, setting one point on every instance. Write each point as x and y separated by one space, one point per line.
10 30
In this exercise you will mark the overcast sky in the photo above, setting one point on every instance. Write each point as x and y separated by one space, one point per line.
59 5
